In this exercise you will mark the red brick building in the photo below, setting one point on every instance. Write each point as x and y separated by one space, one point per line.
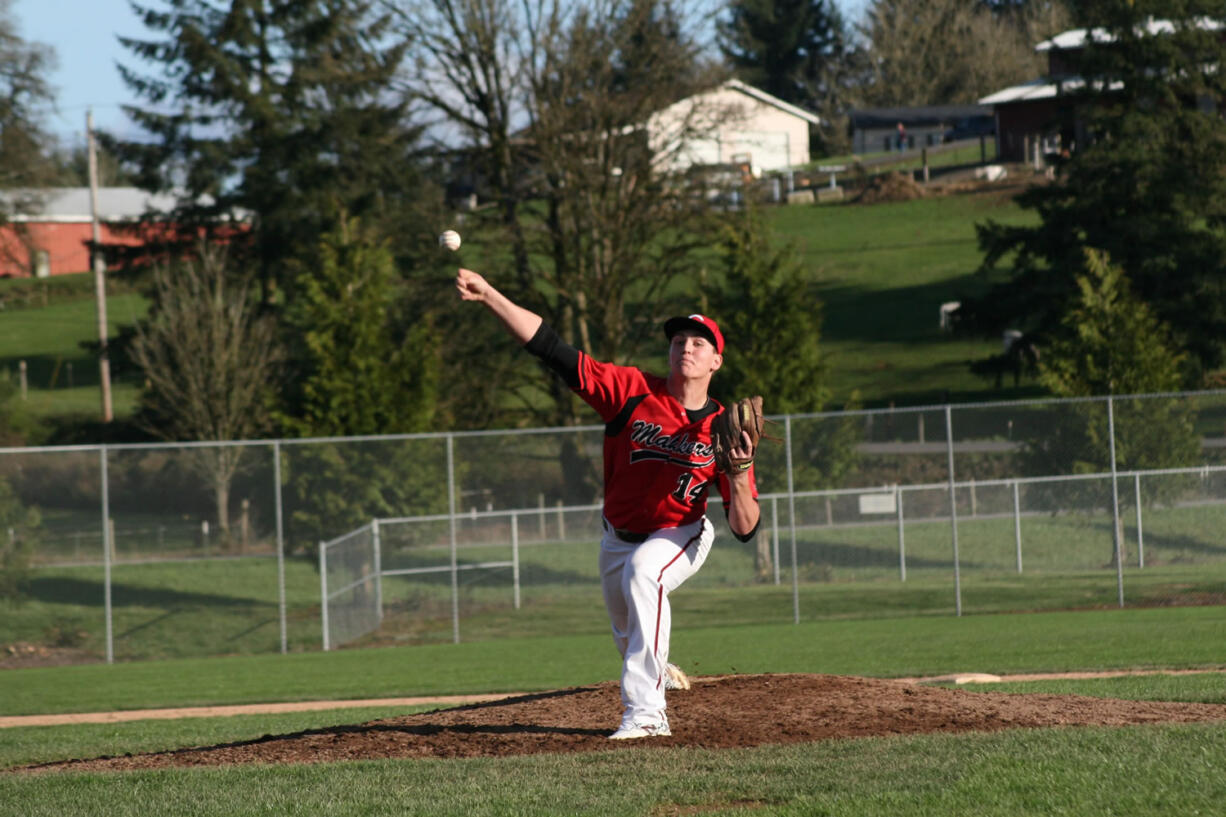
48 232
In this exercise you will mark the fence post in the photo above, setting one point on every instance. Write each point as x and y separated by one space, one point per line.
953 508
1115 504
787 433
377 542
775 533
281 611
323 591
515 555
455 579
902 546
1017 525
1140 534
107 545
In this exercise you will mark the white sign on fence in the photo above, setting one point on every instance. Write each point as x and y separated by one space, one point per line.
877 503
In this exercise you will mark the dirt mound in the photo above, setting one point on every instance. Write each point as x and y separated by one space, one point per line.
725 712
900 186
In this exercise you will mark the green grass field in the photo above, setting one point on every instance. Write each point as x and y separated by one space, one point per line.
884 271
1158 769
62 377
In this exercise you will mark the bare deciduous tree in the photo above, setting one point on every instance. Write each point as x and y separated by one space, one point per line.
932 52
25 146
208 359
557 100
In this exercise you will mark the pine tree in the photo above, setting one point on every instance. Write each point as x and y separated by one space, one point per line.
25 93
274 109
26 147
798 50
359 369
1111 343
1145 182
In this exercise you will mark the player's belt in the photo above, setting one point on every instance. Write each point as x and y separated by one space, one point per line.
626 535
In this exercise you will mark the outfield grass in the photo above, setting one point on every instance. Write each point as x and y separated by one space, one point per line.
1185 637
223 606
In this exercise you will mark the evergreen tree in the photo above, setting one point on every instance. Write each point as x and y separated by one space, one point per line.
767 304
1111 343
1145 182
274 109
358 368
798 50
771 314
25 96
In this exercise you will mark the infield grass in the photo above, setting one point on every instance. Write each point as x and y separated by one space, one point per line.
1160 769
1151 770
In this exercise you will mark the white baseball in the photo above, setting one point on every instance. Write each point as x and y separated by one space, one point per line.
449 240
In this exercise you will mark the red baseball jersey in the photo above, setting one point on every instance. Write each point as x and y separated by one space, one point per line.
658 463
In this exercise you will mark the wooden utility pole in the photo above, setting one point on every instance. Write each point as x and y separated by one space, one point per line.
99 265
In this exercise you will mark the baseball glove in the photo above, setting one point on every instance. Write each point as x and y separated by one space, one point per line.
744 415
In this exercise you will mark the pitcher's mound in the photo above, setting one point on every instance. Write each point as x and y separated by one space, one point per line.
724 712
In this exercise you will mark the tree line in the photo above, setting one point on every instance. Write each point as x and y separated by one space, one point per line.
348 133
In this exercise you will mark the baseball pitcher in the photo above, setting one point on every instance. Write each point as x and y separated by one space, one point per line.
666 444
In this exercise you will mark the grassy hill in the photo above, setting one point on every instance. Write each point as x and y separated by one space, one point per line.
884 271
63 377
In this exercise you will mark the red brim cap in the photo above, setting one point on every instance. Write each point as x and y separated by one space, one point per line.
701 324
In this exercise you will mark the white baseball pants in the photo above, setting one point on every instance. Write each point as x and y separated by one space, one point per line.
636 579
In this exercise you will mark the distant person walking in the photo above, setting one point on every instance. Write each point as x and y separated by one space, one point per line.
902 137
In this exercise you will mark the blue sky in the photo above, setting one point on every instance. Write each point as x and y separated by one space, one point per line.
84 34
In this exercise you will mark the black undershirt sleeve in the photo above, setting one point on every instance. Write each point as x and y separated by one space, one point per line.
556 353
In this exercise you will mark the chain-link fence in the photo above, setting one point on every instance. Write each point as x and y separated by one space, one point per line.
141 551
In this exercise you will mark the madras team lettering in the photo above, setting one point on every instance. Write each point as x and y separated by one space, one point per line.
679 449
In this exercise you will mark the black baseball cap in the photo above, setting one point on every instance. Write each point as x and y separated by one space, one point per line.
701 324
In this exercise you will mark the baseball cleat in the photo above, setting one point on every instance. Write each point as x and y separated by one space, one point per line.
675 677
631 730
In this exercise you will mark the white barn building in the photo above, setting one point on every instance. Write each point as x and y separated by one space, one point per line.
734 123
